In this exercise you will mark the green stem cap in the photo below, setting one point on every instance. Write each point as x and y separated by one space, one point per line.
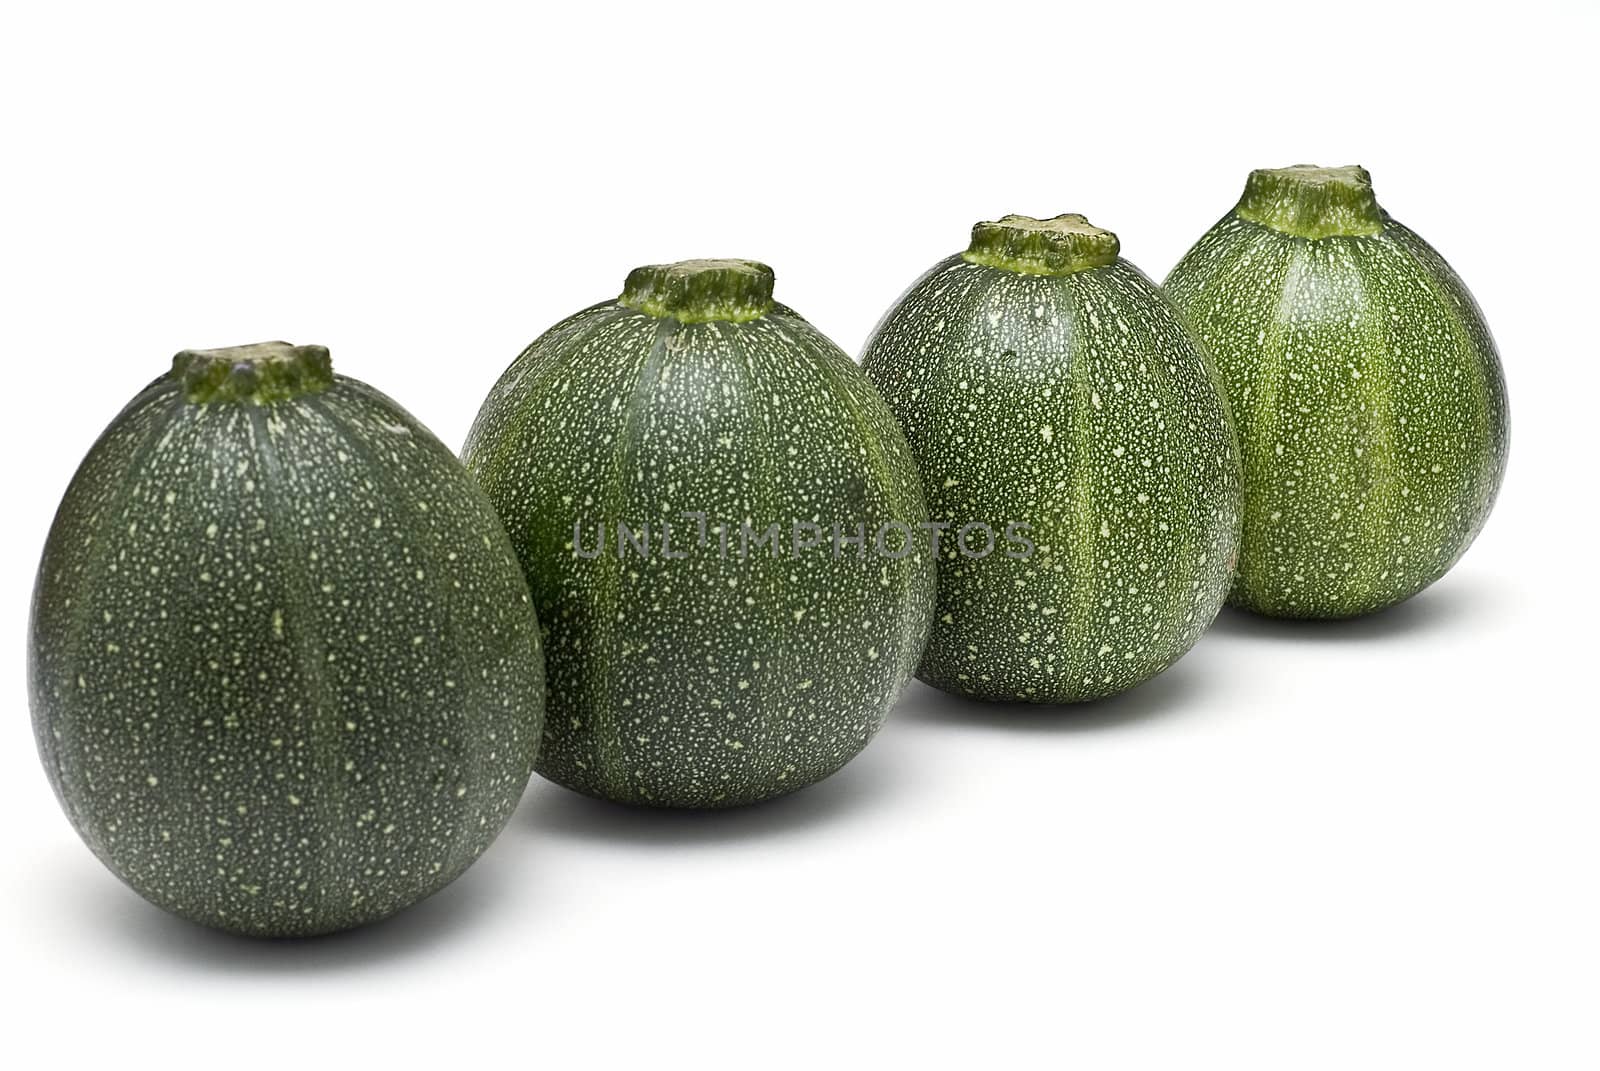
1058 246
1312 202
699 291
261 373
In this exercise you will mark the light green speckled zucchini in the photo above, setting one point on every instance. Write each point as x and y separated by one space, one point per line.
1367 393
1043 381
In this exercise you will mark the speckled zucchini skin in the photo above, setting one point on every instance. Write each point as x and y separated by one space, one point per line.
706 681
1080 405
285 674
1370 407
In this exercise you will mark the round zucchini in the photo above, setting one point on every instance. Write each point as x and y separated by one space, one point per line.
1370 404
285 673
1047 386
723 531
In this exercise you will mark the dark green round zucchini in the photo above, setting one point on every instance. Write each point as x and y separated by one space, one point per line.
674 467
1368 395
285 673
1044 382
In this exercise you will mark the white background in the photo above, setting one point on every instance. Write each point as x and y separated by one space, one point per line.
1360 845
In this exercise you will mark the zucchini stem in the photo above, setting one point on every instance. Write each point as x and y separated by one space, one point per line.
1312 202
